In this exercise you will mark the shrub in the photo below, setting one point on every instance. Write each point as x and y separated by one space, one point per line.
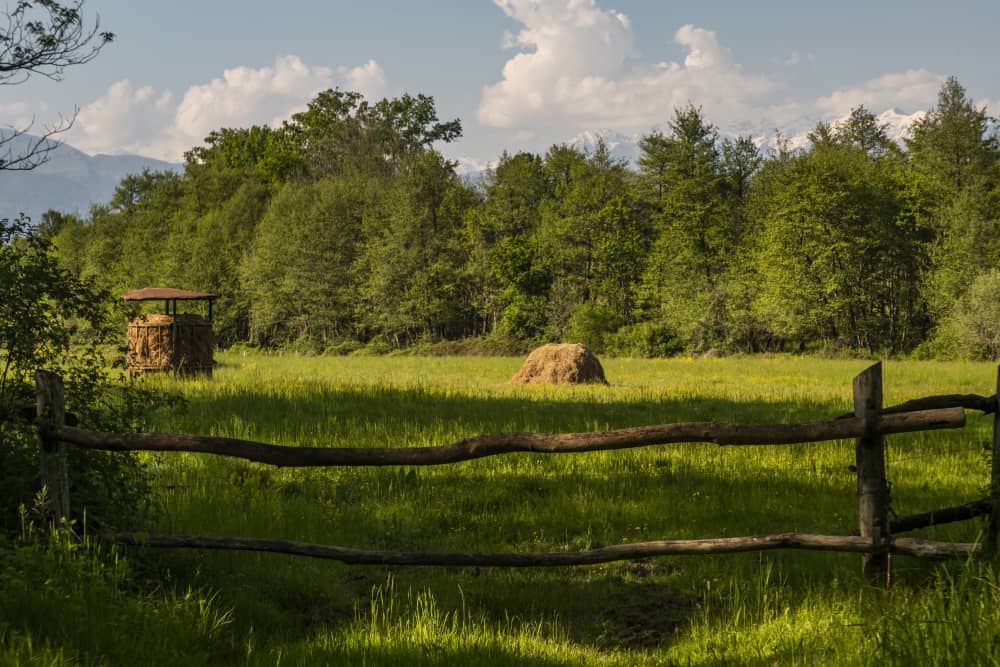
973 329
51 320
645 339
591 325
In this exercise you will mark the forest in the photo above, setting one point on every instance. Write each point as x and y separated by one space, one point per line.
345 229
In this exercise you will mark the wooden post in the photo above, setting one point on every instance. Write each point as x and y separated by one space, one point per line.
994 526
873 490
51 408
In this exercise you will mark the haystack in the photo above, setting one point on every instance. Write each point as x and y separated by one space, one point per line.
182 342
560 363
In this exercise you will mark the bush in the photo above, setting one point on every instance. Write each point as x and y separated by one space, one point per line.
645 339
342 348
591 325
50 320
973 329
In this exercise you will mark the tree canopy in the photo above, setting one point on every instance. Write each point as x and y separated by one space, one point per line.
346 227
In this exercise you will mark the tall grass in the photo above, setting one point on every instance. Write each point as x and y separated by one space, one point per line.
777 607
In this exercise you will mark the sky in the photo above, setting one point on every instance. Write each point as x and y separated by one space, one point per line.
520 74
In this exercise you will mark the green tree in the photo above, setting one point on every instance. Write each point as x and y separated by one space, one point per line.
205 252
955 156
245 152
51 320
862 130
684 284
298 273
955 144
340 133
413 260
840 253
593 241
143 205
508 283
972 330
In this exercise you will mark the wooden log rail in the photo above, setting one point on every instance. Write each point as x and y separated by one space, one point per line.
725 545
985 404
506 443
964 512
867 425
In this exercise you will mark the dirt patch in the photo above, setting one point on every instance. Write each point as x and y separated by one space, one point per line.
561 363
643 624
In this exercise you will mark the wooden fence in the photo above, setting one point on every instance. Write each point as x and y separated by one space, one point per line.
868 425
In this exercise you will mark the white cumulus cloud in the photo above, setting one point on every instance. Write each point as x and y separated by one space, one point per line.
138 119
572 66
912 89
573 69
367 79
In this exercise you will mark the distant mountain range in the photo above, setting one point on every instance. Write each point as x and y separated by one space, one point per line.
70 181
626 146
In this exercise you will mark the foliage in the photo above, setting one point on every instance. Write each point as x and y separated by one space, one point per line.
838 252
345 228
342 133
411 264
689 186
973 328
42 37
307 231
54 321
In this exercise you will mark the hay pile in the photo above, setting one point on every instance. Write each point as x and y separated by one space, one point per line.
181 342
560 363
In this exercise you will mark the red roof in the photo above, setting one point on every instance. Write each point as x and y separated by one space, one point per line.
160 293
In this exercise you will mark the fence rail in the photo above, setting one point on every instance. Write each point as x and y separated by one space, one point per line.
868 425
509 443
631 551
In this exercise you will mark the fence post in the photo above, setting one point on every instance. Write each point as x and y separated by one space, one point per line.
873 490
990 548
51 409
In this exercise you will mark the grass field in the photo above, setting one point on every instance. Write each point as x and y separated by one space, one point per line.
774 608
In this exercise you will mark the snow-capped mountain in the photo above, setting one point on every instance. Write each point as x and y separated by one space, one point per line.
897 125
621 146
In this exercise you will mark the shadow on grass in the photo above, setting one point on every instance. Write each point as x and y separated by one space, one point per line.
354 408
515 503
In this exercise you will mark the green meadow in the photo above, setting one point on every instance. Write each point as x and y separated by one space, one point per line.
772 608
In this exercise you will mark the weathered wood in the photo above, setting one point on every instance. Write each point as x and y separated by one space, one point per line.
506 443
873 490
985 404
51 410
845 543
993 529
964 512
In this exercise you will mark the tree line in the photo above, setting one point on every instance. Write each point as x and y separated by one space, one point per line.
345 227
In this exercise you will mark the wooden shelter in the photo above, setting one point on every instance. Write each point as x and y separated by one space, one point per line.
170 341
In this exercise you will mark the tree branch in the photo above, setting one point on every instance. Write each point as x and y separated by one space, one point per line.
44 37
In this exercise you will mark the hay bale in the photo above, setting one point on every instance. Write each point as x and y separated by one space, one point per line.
182 342
560 363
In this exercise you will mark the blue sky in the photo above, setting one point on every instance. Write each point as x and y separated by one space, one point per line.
521 74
